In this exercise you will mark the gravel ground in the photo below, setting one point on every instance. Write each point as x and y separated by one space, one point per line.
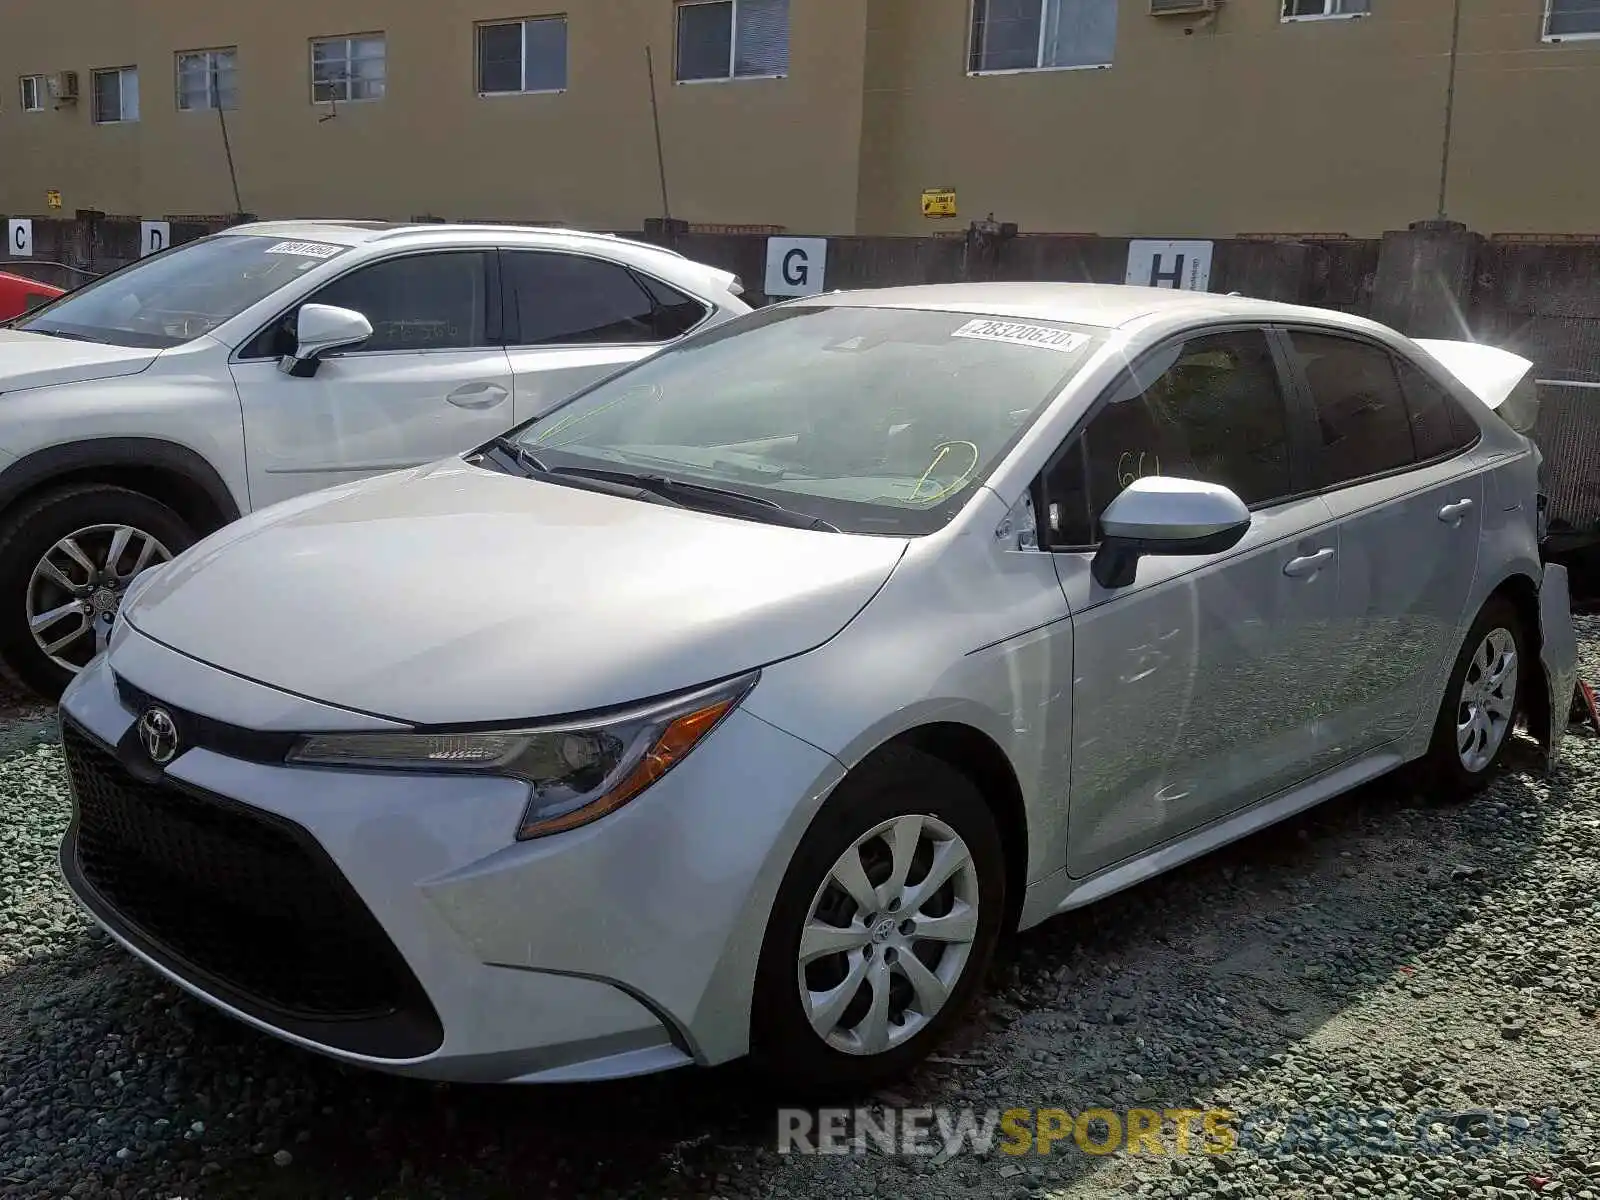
1379 964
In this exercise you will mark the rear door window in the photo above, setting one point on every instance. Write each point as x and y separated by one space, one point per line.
555 299
1363 427
1439 427
676 313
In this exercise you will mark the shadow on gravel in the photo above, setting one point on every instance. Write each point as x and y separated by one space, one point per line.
1259 944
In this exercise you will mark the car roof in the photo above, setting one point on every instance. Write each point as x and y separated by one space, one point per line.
1104 305
355 233
340 233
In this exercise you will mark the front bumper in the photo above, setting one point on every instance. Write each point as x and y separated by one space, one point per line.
392 921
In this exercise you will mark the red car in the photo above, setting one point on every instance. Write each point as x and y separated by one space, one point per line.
19 294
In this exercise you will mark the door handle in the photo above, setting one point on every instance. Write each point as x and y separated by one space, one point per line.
1309 564
1452 514
477 395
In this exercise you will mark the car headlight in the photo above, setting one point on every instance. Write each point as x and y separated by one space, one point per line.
576 773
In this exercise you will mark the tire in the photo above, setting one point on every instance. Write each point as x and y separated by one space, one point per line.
887 794
91 514
1452 771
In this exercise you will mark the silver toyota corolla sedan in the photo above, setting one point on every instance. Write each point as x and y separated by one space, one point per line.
740 704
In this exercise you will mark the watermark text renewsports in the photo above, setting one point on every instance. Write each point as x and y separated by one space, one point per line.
1016 1131
946 1132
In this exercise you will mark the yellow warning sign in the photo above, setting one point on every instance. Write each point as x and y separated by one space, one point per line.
938 202
53 198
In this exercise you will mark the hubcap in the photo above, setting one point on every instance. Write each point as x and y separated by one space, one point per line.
1488 700
888 935
77 587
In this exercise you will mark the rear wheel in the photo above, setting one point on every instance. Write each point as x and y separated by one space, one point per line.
883 928
66 560
1481 702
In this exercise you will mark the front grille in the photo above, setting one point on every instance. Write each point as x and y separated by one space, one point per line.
243 903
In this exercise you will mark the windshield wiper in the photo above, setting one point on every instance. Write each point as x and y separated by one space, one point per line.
520 454
62 333
621 485
758 507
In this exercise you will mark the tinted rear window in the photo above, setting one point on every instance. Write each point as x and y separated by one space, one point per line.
1363 426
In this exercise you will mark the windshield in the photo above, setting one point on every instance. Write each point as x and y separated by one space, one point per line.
876 420
177 295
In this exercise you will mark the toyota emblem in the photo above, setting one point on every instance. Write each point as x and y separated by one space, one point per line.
159 734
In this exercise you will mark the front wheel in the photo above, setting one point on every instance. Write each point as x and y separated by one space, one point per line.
1481 702
883 928
66 560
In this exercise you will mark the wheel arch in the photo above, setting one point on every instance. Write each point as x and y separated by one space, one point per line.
165 471
1521 591
978 758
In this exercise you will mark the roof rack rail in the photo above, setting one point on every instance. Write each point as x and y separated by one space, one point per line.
555 230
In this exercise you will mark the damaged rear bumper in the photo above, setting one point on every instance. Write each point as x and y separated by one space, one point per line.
1558 655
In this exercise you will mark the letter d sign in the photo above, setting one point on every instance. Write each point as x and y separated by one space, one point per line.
154 236
796 266
19 238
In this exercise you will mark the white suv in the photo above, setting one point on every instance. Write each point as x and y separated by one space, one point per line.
167 399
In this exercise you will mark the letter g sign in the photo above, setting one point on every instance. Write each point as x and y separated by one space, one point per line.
796 266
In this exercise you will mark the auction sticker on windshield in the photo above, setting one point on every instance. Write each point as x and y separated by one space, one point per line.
305 249
1019 334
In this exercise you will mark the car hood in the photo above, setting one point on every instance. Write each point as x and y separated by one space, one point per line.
453 594
30 360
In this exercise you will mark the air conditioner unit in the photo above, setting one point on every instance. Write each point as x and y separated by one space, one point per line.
1173 8
64 87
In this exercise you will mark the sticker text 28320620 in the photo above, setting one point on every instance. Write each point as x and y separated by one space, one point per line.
1021 334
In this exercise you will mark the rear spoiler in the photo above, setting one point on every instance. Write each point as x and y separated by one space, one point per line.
1502 380
727 280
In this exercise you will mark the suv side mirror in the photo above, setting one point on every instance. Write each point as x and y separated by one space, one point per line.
1161 515
320 328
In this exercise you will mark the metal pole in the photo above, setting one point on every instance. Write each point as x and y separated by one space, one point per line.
227 146
1449 111
661 158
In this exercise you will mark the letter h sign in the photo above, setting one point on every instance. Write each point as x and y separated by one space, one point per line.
1185 265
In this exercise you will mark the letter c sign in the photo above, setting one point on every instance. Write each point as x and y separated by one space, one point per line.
19 238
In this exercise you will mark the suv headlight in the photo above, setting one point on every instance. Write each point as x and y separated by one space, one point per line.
576 773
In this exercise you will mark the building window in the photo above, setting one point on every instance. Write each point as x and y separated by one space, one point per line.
732 39
116 95
1572 19
347 68
33 91
522 56
1303 10
207 79
1042 35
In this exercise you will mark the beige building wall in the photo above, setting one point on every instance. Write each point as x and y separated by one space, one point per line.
780 151
1241 123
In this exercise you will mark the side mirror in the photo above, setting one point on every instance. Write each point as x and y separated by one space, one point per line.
320 328
1159 515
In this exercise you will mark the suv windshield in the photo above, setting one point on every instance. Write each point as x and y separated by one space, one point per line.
876 420
177 295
